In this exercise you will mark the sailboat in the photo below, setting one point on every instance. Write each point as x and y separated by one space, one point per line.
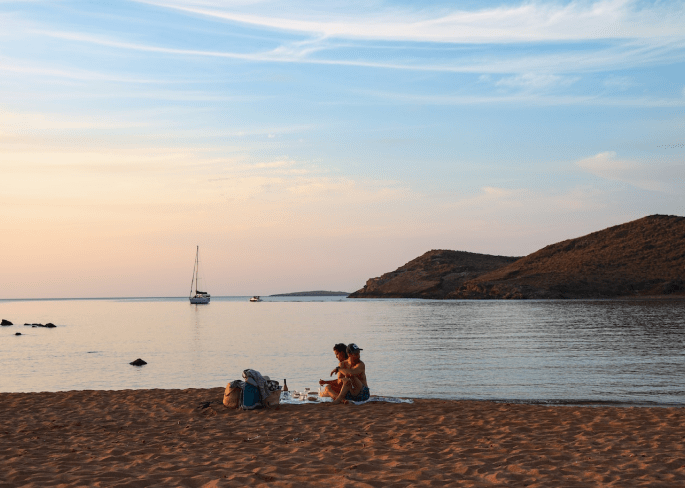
199 296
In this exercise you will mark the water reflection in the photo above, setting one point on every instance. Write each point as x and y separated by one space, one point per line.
609 351
564 350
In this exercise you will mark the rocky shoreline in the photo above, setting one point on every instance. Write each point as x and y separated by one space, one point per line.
7 323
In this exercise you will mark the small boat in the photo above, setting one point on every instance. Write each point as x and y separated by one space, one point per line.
255 299
199 296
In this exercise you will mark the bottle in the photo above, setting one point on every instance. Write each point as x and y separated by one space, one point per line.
285 385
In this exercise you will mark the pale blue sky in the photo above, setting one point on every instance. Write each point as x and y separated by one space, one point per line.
313 145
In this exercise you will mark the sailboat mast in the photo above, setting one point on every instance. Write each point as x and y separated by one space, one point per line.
194 280
197 267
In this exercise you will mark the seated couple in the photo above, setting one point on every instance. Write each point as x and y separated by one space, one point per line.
350 383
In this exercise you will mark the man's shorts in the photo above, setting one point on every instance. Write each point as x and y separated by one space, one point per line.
362 396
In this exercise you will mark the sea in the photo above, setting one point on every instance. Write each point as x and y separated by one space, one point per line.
555 352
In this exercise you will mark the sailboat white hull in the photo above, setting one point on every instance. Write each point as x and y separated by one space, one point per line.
196 300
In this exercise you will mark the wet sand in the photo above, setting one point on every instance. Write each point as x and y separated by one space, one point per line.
161 438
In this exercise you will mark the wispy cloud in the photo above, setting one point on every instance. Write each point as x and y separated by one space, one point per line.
537 67
526 22
619 82
24 68
75 175
659 175
495 201
525 97
535 81
20 123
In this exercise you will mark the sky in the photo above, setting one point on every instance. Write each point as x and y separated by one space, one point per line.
314 145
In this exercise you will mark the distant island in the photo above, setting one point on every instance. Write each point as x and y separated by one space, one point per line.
642 258
317 293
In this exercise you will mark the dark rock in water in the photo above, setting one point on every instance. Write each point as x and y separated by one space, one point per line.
50 325
17 333
138 362
6 322
27 324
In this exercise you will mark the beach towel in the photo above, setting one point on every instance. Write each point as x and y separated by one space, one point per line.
297 401
384 399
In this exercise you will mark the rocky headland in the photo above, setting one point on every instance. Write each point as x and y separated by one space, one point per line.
316 293
436 274
642 258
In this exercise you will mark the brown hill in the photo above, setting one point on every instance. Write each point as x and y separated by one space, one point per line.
645 257
433 275
642 257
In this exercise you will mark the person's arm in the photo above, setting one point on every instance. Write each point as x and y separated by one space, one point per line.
356 370
335 371
338 369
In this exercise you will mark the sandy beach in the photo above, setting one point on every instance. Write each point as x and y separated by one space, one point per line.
163 438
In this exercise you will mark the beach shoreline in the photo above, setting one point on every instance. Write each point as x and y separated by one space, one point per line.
165 438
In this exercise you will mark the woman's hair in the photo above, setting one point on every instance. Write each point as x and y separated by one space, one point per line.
341 348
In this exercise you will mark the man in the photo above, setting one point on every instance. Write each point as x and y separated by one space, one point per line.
355 386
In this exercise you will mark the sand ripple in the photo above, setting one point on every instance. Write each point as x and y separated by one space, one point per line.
137 438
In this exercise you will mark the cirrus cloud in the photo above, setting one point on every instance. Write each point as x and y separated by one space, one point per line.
524 22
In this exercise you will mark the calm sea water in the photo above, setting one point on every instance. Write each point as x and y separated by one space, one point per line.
531 351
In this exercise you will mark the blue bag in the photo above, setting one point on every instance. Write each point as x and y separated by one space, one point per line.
251 397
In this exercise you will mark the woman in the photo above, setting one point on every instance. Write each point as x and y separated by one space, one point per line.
333 387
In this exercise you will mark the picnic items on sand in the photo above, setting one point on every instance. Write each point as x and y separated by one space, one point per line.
254 391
